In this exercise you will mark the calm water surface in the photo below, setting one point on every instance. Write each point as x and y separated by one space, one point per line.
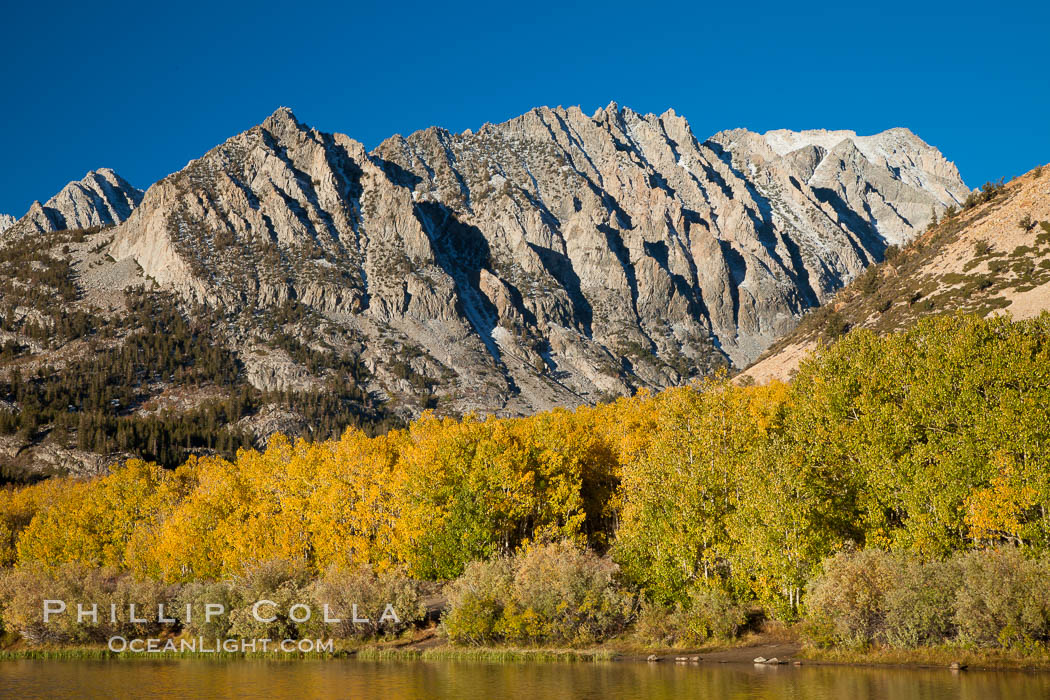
392 680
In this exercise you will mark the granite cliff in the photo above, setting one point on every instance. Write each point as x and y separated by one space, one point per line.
548 260
291 279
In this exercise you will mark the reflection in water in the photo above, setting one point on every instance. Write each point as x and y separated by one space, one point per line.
389 680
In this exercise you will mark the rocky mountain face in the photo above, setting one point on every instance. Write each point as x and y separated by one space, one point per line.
991 256
6 222
892 181
292 280
552 259
102 198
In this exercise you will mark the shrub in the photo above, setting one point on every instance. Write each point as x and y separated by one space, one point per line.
23 591
987 193
22 594
564 593
657 625
868 281
706 614
549 593
846 603
1004 599
146 595
986 597
712 613
197 595
281 581
341 590
920 606
476 601
836 325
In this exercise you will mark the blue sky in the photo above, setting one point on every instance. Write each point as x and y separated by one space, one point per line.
145 87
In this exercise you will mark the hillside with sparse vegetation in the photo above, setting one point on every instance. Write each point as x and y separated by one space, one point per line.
87 379
990 256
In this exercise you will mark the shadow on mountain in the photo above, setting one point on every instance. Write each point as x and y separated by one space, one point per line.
398 175
560 268
873 247
657 250
737 267
767 235
462 252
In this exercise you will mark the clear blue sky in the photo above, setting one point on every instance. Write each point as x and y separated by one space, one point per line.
144 87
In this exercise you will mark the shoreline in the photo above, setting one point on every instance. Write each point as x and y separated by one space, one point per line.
779 652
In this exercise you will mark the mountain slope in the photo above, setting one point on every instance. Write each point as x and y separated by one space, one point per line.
991 257
6 222
102 198
289 279
551 259
892 181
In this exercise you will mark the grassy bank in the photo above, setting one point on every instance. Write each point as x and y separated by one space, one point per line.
934 657
444 653
904 658
489 655
783 644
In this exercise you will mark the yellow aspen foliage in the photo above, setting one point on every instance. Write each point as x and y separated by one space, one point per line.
17 509
352 516
477 488
996 513
928 441
241 512
93 522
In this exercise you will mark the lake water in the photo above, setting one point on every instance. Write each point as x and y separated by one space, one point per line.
393 680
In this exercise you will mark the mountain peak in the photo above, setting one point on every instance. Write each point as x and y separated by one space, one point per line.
784 141
840 161
100 198
611 214
610 110
902 130
282 118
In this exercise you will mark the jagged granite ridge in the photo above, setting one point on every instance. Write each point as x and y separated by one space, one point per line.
553 259
101 198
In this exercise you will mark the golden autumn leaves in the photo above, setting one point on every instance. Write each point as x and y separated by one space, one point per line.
435 496
928 441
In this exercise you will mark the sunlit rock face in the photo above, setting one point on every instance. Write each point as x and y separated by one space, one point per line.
102 198
553 259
